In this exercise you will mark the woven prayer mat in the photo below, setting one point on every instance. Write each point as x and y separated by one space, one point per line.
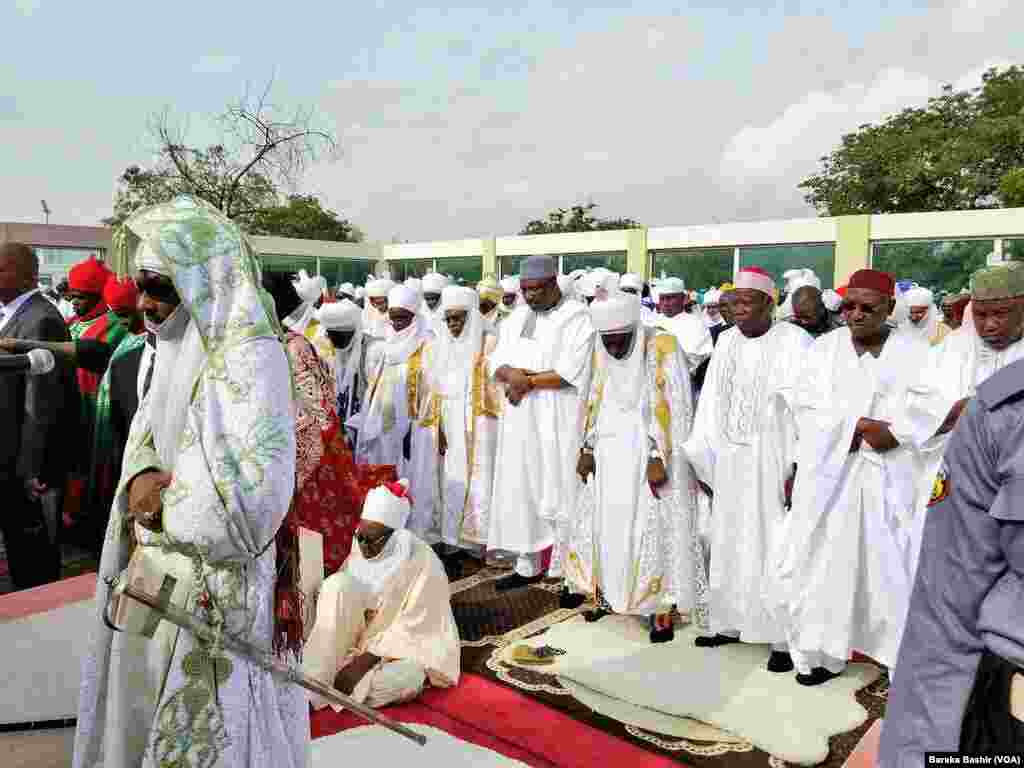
493 623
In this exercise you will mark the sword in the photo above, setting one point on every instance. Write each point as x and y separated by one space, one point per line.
277 667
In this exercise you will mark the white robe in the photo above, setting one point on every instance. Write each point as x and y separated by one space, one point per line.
743 446
956 368
469 417
844 576
693 336
539 439
638 550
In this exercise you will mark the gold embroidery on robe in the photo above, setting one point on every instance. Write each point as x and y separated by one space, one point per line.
486 400
664 346
412 382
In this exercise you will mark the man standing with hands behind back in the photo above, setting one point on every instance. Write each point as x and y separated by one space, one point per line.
39 413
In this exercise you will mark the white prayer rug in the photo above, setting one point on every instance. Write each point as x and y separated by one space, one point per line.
665 688
375 745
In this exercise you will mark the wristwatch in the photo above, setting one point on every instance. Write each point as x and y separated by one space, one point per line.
654 454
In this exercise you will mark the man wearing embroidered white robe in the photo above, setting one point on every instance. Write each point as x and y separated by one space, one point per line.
843 578
341 328
632 541
743 449
375 310
468 427
384 625
690 330
432 284
543 361
988 341
207 479
389 424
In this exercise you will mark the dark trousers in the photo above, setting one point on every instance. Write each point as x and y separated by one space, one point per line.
988 726
32 556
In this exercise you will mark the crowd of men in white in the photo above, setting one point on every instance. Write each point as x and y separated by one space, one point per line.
766 482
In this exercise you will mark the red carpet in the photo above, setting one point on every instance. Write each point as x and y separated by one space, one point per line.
26 602
496 717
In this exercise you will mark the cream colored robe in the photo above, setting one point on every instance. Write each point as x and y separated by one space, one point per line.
408 618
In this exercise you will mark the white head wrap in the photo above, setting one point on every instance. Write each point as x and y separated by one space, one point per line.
376 323
404 297
347 288
510 285
626 380
341 315
567 286
631 280
796 278
616 314
671 286
454 357
344 315
587 284
147 259
378 289
309 290
434 282
922 297
384 507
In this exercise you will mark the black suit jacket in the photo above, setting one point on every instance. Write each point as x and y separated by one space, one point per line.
124 393
39 414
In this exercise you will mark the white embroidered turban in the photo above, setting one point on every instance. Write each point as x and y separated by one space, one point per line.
384 506
631 280
618 313
347 288
404 297
379 289
458 297
339 315
919 297
434 283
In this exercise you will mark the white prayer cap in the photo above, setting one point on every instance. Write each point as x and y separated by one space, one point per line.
347 288
379 289
619 313
510 284
832 300
631 280
671 286
587 285
388 505
712 296
309 288
341 315
360 292
755 278
459 297
434 283
404 297
919 297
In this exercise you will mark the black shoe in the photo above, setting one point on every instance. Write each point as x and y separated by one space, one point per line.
570 600
818 676
595 615
780 661
515 581
715 641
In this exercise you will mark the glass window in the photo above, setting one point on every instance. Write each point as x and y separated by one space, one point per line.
1013 249
464 270
699 268
65 257
942 265
613 260
509 265
401 269
779 259
273 263
338 271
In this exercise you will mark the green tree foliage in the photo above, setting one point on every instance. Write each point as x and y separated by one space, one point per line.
942 265
303 217
964 150
579 218
1011 188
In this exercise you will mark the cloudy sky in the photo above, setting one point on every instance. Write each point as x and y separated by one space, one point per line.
469 121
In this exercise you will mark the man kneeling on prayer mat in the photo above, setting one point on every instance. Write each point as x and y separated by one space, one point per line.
632 543
384 625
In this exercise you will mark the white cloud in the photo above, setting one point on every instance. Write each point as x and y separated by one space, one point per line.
216 64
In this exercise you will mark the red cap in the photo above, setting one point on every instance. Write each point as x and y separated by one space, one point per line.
120 295
89 276
874 280
841 290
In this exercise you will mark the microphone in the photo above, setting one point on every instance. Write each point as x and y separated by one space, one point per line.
35 363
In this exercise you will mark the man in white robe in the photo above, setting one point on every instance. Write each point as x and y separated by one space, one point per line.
394 424
470 405
632 543
491 297
743 449
207 479
375 309
433 283
795 278
690 330
923 316
712 313
844 581
543 361
384 625
341 328
989 340
510 296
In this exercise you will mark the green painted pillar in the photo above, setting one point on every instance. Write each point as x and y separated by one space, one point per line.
636 252
489 252
853 246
